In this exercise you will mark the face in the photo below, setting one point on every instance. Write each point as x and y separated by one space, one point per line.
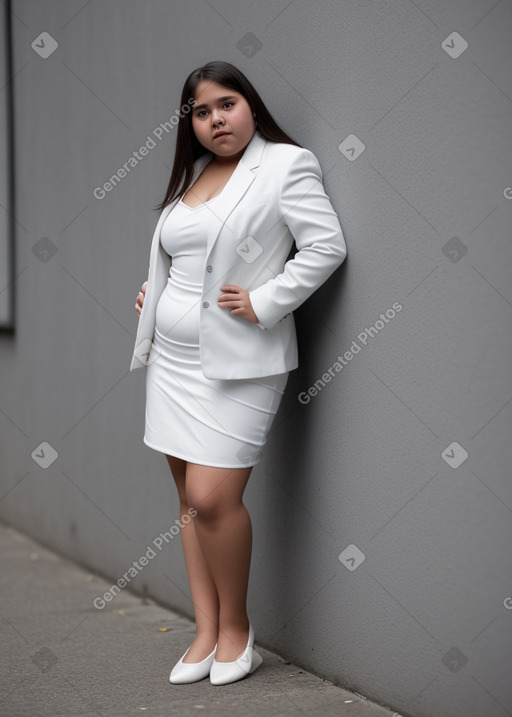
218 108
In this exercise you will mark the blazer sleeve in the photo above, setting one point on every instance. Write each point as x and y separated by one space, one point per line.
307 211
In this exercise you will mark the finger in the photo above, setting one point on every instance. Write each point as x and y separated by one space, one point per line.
228 297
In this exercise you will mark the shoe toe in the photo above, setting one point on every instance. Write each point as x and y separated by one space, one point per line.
186 672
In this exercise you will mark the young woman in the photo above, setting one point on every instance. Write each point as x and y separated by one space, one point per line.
217 336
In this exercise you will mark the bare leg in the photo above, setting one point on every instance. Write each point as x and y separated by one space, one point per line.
202 586
224 533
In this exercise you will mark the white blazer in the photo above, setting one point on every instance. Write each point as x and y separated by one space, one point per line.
274 197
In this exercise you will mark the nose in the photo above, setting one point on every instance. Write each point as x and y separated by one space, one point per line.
216 116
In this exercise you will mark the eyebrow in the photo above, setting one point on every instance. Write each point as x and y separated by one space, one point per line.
219 99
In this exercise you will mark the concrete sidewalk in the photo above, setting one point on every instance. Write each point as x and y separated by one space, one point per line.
61 657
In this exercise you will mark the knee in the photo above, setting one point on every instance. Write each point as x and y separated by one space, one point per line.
206 504
182 496
185 508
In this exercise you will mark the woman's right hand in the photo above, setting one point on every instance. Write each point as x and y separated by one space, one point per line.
140 298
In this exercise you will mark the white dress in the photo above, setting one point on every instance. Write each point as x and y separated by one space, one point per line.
215 422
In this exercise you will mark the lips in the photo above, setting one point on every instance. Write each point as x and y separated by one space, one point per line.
221 134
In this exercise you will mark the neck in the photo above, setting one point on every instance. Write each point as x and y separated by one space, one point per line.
226 161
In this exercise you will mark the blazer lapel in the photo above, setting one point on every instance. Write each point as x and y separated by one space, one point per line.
236 187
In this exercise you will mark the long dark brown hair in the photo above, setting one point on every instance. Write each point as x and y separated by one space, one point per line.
188 148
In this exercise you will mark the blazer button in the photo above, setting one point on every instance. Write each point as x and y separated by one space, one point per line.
206 304
209 268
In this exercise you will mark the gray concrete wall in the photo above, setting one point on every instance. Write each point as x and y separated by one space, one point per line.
382 508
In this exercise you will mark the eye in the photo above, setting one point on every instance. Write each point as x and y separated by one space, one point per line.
228 102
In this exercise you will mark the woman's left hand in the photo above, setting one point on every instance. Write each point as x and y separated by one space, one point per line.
238 300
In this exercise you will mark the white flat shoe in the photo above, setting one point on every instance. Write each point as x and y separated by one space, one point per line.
185 672
222 673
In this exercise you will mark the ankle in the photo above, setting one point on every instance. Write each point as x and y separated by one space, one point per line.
205 638
241 625
233 635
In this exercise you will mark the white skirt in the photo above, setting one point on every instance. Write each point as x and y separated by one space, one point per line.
215 422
